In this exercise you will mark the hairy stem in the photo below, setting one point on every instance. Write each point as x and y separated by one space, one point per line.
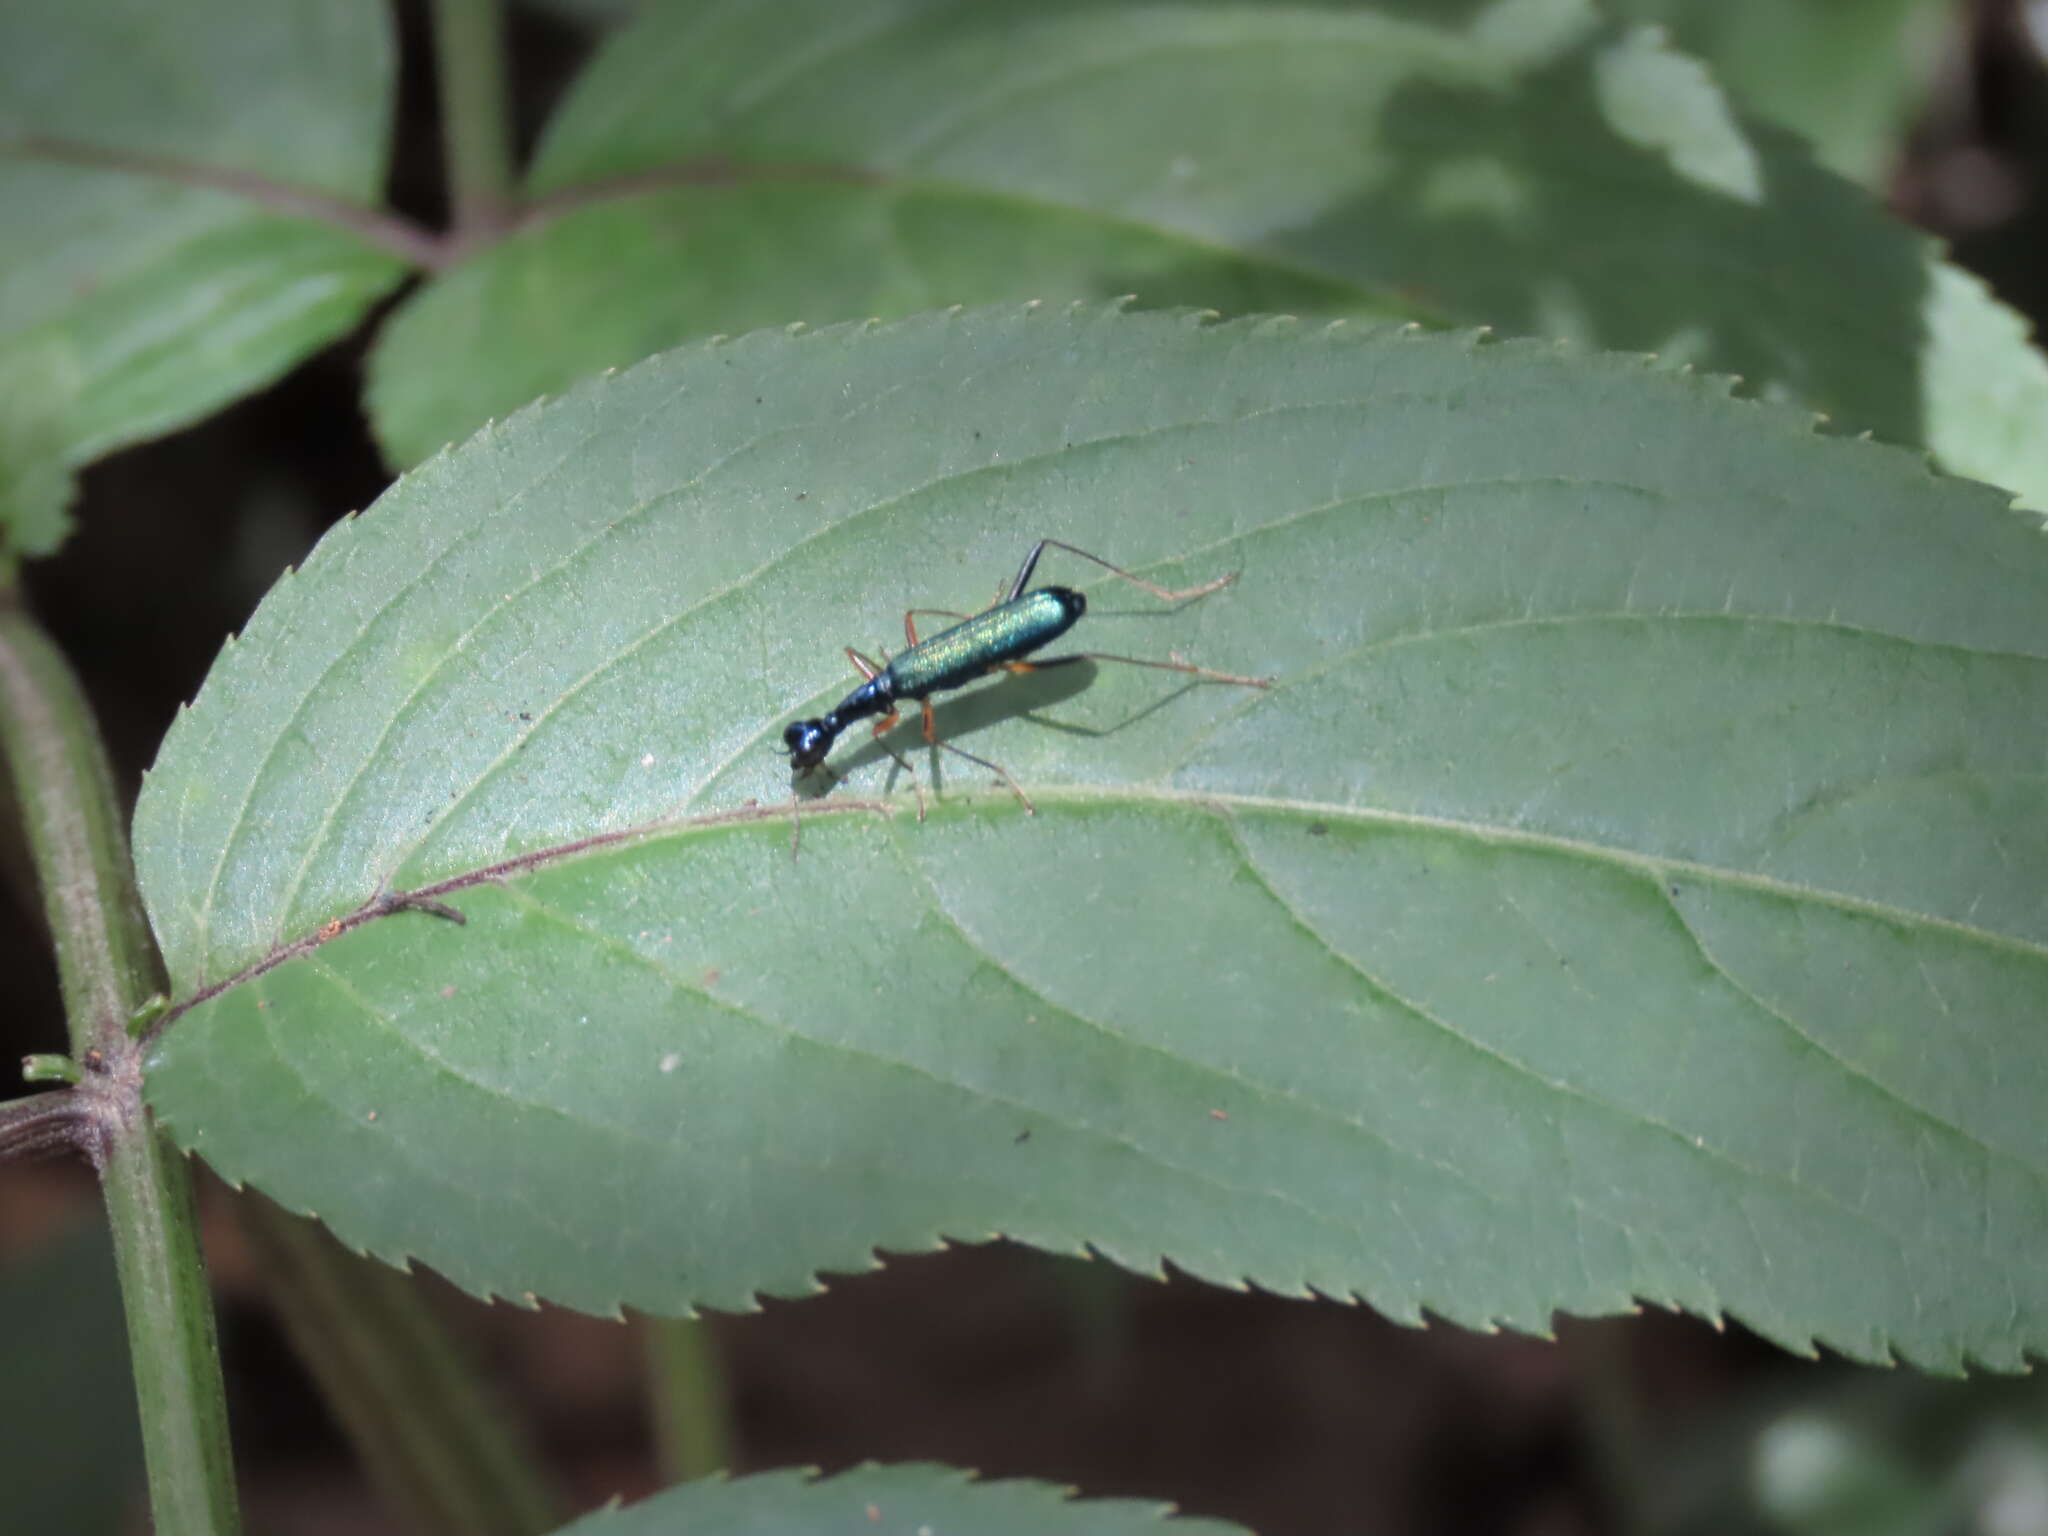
108 967
44 1125
105 960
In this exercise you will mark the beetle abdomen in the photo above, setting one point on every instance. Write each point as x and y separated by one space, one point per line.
974 646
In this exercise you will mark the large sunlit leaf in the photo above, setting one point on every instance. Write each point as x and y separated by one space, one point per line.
1636 884
908 1498
1517 164
150 270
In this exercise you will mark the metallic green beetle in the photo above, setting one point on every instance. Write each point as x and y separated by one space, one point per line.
997 639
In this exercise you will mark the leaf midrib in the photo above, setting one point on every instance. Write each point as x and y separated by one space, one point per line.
1655 866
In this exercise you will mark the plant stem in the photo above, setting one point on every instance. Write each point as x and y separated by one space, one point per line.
433 1442
687 1384
108 967
476 135
105 961
43 1125
178 1386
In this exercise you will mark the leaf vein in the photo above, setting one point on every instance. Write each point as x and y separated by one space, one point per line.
1693 1145
978 1092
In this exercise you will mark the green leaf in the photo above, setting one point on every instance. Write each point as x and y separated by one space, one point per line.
156 261
906 1498
35 485
1635 887
1518 165
1848 74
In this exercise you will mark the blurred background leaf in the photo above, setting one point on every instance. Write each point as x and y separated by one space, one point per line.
156 262
1850 75
1522 165
889 1499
